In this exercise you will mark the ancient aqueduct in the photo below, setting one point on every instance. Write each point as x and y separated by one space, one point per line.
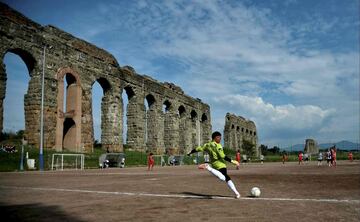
78 64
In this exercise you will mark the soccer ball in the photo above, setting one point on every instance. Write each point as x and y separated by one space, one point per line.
255 192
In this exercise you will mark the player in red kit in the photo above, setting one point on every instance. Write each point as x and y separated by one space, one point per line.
238 157
151 161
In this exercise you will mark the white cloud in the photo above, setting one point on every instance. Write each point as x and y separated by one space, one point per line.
230 49
282 116
278 122
246 53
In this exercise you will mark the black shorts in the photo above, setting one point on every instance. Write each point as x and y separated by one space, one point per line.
224 172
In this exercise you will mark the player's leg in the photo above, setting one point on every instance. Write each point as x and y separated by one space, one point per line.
229 182
215 172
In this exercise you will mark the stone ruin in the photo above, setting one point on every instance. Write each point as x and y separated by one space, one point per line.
173 122
237 129
311 146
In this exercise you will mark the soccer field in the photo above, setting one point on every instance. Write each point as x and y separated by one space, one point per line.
183 193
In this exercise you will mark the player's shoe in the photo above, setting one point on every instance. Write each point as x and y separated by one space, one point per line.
202 166
237 196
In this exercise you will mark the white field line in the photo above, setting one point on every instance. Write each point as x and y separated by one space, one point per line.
182 195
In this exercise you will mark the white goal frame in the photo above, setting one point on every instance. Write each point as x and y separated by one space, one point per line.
162 160
61 165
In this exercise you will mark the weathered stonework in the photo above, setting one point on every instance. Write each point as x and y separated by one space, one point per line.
237 129
77 64
311 146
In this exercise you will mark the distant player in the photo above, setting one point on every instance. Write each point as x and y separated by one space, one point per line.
328 157
300 157
151 161
333 157
320 158
238 158
350 156
217 164
284 158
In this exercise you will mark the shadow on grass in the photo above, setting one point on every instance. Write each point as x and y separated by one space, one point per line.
34 212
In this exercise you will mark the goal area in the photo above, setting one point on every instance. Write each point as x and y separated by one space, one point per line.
61 161
159 160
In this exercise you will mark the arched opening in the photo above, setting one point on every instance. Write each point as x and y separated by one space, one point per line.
166 106
167 125
69 108
100 105
97 94
204 128
70 93
69 134
181 111
127 97
196 141
13 87
182 129
149 103
204 118
70 101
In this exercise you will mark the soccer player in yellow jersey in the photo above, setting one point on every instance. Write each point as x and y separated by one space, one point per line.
217 164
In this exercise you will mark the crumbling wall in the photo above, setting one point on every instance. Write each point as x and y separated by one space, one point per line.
236 130
67 57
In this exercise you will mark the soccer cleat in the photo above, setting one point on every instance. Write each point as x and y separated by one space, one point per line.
237 196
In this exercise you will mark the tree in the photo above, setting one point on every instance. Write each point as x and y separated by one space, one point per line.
248 148
263 149
274 150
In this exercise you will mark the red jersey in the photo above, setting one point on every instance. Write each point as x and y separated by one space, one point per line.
238 156
300 156
150 160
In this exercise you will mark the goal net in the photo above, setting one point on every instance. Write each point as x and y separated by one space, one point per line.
159 160
61 161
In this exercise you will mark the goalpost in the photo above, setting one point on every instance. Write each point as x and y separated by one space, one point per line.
67 160
159 160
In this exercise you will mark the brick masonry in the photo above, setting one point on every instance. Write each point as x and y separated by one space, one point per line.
237 129
78 64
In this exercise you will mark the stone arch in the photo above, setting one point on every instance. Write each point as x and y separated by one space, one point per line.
204 117
104 83
169 125
129 92
193 115
89 61
195 129
69 133
181 111
26 56
167 106
135 117
154 123
184 135
109 105
30 63
151 119
204 125
150 100
68 137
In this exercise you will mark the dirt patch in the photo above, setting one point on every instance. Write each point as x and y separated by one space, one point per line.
289 193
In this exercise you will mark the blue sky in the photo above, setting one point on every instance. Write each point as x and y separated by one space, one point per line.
291 66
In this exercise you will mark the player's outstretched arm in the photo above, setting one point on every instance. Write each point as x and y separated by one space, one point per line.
192 151
197 149
231 161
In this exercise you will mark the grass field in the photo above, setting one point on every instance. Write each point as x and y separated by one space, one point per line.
11 161
183 193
